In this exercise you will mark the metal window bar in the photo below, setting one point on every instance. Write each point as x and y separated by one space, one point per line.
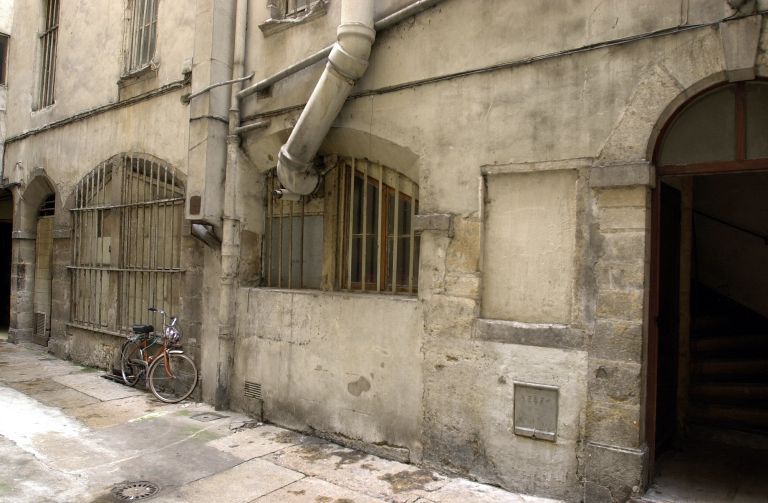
142 217
391 189
48 43
143 34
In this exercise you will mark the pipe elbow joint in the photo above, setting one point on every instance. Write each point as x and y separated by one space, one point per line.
350 54
294 175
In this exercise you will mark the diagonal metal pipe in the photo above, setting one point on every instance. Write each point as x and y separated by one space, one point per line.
347 62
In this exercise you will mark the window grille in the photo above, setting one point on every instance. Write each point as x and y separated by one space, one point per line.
3 58
375 247
47 207
48 44
126 243
143 34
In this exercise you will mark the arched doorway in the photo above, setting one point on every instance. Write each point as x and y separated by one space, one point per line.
31 260
707 399
6 231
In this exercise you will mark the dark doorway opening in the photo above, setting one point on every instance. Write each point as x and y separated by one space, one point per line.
6 228
711 406
707 388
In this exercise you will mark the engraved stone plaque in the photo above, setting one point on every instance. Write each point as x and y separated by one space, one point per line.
536 411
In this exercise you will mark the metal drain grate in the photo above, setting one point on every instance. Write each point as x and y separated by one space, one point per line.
135 491
204 417
252 390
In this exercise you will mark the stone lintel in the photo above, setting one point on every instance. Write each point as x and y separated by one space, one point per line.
623 175
23 235
534 166
440 222
530 334
740 39
614 473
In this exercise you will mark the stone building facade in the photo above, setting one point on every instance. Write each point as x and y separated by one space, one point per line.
472 284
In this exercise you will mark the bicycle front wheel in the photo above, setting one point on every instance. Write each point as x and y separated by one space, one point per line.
130 366
172 377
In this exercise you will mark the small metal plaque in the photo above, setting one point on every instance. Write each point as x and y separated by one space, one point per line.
536 411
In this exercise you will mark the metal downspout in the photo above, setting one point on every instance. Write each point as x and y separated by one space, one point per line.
346 64
230 243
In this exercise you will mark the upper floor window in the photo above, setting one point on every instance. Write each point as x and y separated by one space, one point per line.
285 13
3 59
142 38
358 236
48 44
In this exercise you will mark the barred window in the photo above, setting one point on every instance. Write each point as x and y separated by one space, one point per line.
357 237
126 243
48 46
143 34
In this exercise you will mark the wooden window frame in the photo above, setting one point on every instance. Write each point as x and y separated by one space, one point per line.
142 25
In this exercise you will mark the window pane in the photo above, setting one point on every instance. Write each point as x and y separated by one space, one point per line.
704 132
757 120
372 213
356 259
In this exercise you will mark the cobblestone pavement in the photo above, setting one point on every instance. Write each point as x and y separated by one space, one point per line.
69 435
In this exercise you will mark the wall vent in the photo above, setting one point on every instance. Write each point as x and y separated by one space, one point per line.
40 325
252 390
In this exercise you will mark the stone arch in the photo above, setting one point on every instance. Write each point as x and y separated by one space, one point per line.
701 60
25 253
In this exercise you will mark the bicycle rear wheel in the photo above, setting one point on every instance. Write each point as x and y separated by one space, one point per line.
173 381
130 354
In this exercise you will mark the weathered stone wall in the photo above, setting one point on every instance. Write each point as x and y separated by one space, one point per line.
502 116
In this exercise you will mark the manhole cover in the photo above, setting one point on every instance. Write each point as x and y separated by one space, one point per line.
207 416
135 491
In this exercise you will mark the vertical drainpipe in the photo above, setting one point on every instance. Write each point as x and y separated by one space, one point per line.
230 242
346 64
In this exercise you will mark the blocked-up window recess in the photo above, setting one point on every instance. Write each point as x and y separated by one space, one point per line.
126 243
286 13
48 47
142 35
357 235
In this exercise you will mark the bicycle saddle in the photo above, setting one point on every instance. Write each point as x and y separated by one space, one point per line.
143 329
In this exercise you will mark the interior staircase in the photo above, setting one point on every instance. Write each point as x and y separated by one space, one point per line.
729 364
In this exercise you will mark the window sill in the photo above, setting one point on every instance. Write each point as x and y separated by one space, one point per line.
138 82
400 297
276 25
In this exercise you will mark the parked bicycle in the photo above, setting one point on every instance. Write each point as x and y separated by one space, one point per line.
169 373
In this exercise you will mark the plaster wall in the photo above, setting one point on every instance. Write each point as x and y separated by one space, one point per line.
90 56
337 363
6 16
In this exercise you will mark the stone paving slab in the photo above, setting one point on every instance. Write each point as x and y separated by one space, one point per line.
315 490
105 414
463 491
370 475
101 389
241 484
256 442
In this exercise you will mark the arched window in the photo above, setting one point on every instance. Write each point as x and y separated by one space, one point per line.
722 129
126 243
357 236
